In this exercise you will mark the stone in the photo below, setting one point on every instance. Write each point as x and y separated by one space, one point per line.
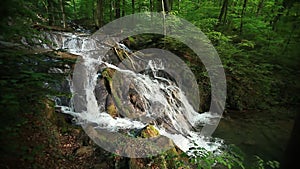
101 91
84 151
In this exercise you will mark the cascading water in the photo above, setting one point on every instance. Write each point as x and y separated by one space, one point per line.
162 102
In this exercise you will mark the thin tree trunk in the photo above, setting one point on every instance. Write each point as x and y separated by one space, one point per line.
62 8
222 16
123 7
259 7
242 16
50 12
74 7
132 6
166 6
151 5
139 6
163 5
100 13
225 14
118 11
171 4
111 10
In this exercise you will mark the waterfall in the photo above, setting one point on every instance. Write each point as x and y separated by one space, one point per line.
164 104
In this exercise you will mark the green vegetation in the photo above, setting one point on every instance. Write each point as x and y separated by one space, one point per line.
257 42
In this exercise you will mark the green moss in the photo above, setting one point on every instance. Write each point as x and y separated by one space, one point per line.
112 110
108 73
149 131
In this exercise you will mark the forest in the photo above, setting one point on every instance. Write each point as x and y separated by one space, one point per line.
258 44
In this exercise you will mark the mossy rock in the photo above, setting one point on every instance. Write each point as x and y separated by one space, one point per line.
112 110
49 110
108 73
149 131
111 107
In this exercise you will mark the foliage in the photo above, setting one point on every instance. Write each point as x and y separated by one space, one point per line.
25 78
230 157
24 84
261 164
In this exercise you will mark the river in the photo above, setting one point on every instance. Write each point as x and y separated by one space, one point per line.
261 133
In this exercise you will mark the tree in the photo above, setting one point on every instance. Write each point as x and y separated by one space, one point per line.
242 15
123 7
62 8
133 6
259 7
50 12
100 13
223 12
117 9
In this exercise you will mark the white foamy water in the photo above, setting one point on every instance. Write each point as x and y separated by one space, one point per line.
161 97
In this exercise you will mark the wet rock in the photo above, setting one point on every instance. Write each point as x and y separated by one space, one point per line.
165 122
101 92
84 151
112 57
159 73
136 99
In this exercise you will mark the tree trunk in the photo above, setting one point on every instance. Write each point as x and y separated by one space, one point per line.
50 12
111 11
171 4
151 6
74 7
259 7
139 6
117 7
287 4
166 5
123 7
100 14
242 16
132 6
62 8
163 5
223 12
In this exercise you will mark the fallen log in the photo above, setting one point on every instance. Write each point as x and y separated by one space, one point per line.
52 28
66 55
56 53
